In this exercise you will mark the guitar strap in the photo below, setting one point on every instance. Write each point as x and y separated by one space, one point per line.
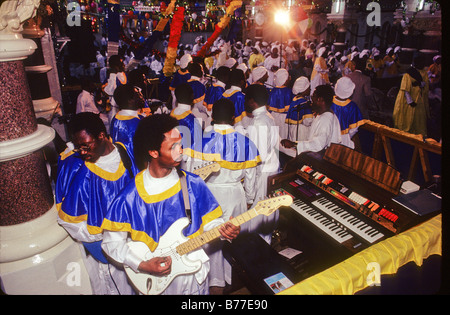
184 189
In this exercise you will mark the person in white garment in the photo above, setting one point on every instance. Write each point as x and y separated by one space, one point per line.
147 208
86 100
264 133
272 64
117 76
233 185
299 117
325 128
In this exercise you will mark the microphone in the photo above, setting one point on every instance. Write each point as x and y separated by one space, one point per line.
304 104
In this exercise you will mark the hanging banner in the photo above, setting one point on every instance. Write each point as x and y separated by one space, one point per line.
224 21
147 45
235 26
174 37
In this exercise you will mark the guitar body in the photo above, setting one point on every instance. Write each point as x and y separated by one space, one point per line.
151 285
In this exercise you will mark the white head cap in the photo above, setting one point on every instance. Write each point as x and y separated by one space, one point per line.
258 73
344 87
280 77
321 51
242 67
230 62
300 85
185 60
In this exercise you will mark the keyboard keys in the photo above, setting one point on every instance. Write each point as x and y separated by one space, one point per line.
333 229
353 223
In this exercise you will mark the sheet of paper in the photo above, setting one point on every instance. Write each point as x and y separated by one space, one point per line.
289 252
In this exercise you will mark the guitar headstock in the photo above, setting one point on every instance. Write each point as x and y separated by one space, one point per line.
268 206
206 170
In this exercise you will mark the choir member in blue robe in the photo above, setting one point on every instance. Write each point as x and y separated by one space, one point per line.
91 189
236 94
280 98
215 91
189 125
182 75
233 185
150 204
347 111
125 122
299 116
199 109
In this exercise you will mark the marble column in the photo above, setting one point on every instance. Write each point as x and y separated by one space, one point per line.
35 251
421 30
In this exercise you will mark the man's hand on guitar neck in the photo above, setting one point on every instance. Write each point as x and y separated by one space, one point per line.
229 231
157 266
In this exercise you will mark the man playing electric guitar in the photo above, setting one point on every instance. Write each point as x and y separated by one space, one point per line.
148 207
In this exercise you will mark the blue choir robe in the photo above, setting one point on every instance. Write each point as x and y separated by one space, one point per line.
199 109
350 118
178 78
238 98
191 133
122 130
213 93
69 162
147 217
280 98
230 149
91 191
199 90
299 113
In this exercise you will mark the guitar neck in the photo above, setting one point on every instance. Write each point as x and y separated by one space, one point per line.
211 235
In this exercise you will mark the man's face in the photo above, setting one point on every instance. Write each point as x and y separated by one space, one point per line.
317 103
138 99
170 154
89 147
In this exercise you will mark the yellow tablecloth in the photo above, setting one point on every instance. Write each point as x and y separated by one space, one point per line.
385 257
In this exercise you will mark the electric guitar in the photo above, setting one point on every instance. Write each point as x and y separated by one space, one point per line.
174 244
205 170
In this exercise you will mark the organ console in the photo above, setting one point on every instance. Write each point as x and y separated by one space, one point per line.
345 195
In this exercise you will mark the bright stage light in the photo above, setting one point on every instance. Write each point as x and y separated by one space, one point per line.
282 17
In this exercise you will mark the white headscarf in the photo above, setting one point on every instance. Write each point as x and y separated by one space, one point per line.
300 85
344 87
280 77
258 73
185 60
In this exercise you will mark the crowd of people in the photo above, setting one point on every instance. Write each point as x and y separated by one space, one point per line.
128 173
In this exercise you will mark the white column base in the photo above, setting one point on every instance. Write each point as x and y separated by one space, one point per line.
39 257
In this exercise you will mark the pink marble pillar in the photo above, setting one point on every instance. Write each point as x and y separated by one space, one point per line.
26 192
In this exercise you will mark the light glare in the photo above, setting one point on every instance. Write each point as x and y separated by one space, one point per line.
282 17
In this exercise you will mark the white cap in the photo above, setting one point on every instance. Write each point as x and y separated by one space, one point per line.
353 54
258 73
230 62
344 87
242 67
280 77
185 60
300 85
436 57
321 51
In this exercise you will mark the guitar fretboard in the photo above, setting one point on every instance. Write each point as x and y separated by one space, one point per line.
211 235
